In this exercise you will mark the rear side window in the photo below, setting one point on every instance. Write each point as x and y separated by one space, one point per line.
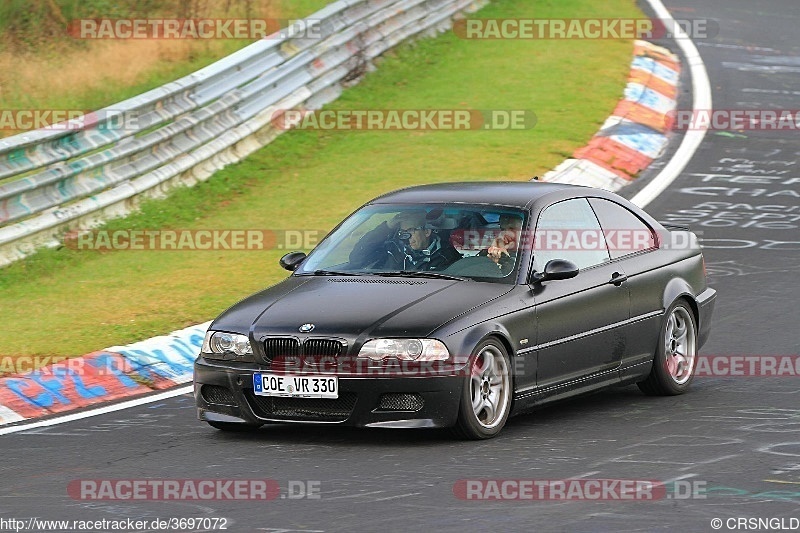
569 230
625 232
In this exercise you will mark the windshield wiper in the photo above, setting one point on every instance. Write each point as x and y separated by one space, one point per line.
335 273
420 274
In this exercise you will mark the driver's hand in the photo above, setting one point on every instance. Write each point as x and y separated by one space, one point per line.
496 252
500 246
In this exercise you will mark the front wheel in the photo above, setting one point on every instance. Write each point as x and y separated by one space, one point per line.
486 395
676 355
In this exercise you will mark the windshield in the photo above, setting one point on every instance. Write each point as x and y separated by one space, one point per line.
445 240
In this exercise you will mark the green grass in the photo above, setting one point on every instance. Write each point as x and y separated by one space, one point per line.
66 302
68 65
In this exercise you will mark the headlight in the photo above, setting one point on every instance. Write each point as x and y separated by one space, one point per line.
405 349
225 345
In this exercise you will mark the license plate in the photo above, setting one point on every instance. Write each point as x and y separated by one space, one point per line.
289 386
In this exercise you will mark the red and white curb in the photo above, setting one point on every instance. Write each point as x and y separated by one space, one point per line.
637 131
112 374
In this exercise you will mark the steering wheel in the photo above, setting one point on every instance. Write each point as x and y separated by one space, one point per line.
506 263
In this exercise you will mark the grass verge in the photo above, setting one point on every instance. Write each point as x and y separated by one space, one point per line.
67 302
63 74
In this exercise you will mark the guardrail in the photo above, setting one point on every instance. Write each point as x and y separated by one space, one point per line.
56 180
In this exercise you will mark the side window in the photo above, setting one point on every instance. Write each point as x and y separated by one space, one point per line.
569 230
625 232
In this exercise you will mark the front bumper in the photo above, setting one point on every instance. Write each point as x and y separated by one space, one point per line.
359 402
705 304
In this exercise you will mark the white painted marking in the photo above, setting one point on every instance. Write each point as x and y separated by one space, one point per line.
587 474
769 448
737 47
359 495
715 460
396 497
99 411
702 101
7 416
678 478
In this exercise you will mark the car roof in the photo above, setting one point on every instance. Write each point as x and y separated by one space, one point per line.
507 193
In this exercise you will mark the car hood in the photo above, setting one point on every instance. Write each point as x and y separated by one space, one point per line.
358 306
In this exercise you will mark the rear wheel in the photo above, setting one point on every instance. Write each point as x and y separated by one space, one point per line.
486 395
676 355
235 427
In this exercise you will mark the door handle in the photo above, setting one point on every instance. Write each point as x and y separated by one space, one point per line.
618 279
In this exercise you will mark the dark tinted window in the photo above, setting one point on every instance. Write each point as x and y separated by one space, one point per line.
625 232
569 230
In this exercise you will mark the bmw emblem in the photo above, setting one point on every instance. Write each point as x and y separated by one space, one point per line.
305 328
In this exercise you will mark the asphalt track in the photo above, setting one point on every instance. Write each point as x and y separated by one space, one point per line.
736 437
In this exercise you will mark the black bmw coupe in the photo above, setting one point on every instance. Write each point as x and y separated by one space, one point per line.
458 305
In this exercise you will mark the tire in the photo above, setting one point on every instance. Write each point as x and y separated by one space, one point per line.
675 359
233 427
487 392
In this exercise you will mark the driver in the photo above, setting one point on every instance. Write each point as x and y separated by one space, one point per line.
406 242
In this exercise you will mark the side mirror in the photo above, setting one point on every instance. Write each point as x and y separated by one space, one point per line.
556 269
292 260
